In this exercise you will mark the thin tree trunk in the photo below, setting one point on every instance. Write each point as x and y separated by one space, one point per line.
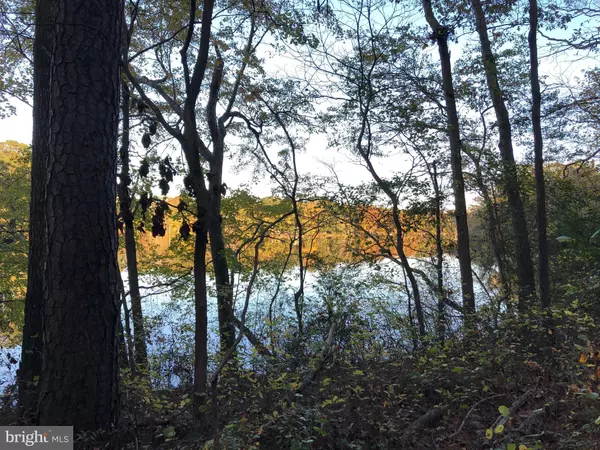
399 242
224 288
299 294
493 228
139 335
538 145
127 330
497 249
523 262
31 356
192 146
408 271
80 364
441 319
440 33
413 334
201 318
219 258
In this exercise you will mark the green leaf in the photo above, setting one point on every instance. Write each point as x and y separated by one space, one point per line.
169 432
504 410
511 446
489 433
565 239
499 429
321 431
458 369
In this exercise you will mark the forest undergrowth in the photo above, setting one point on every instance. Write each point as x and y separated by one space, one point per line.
527 384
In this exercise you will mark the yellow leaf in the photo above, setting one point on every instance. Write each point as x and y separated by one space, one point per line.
499 429
583 358
523 447
489 433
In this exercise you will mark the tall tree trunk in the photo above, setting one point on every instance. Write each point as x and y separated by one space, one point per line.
192 146
31 356
79 380
538 145
524 264
139 334
440 33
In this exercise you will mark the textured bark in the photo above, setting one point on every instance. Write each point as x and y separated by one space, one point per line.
440 34
79 382
538 145
31 357
139 334
524 264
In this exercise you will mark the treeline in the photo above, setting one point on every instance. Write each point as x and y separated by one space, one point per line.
332 238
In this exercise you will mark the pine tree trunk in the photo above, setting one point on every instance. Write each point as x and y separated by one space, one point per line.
79 381
524 264
31 356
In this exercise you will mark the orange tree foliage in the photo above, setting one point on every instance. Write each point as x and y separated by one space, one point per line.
328 238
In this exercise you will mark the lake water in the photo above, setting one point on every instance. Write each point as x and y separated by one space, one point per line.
374 292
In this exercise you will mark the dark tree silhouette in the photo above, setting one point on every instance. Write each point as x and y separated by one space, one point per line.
74 262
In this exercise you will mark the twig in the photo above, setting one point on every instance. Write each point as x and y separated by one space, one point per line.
457 432
322 358
502 419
